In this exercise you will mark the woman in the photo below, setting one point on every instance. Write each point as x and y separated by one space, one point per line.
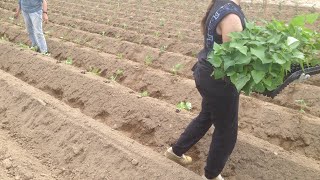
220 99
33 12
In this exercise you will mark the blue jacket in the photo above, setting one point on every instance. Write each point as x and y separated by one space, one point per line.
30 6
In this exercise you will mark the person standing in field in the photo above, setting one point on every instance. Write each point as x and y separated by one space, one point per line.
220 98
34 12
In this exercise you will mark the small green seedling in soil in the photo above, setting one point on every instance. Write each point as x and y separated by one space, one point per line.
163 48
69 61
119 56
103 33
157 34
144 94
162 22
46 54
184 105
124 26
96 71
176 68
34 48
4 38
11 18
303 105
117 75
24 46
108 21
118 36
194 54
148 60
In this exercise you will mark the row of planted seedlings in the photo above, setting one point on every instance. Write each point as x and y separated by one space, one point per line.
135 15
112 19
157 58
181 92
121 32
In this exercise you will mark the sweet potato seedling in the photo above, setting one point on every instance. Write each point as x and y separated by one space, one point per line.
117 75
162 22
144 94
184 105
176 68
303 105
95 70
148 60
163 48
69 61
119 56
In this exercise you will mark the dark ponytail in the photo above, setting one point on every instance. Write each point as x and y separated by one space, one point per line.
204 19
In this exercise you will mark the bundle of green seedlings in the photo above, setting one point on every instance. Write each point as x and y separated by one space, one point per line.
260 57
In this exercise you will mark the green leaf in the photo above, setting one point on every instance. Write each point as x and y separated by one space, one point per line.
257 65
260 53
293 42
298 55
240 80
298 21
250 25
69 61
218 49
278 59
242 59
257 76
181 105
268 81
228 62
259 87
184 105
248 87
275 39
218 73
235 35
239 45
312 18
216 61
188 106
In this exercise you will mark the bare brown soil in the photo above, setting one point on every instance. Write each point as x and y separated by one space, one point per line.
279 138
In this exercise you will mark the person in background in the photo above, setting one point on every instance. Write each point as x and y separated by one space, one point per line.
34 12
220 99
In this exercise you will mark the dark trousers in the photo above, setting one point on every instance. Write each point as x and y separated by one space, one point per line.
220 103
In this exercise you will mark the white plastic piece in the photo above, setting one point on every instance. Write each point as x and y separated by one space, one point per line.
304 77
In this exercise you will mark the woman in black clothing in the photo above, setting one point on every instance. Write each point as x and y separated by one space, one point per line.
220 99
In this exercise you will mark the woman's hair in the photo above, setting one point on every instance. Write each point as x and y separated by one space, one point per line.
204 19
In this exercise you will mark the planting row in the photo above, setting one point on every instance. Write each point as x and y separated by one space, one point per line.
104 16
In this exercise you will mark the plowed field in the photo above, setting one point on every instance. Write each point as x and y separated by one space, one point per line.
87 119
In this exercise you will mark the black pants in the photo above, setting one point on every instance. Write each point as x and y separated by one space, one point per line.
220 103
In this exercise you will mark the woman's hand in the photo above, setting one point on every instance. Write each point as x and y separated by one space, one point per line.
45 18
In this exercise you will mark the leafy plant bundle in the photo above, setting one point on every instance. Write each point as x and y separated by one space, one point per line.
259 58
